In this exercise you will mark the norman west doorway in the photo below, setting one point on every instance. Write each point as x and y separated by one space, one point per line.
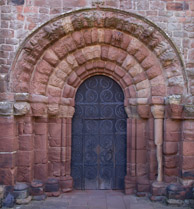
99 135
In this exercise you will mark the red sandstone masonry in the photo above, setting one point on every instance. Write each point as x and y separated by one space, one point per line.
29 17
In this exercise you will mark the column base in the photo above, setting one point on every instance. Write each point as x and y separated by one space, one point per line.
66 184
130 185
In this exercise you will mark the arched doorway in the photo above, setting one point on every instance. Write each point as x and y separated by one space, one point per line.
99 135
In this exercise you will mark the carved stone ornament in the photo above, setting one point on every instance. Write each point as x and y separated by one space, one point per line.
189 111
53 109
39 109
157 111
6 108
66 111
21 108
143 111
174 106
131 111
174 99
97 3
189 108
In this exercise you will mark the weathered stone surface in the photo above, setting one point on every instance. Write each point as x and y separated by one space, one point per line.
6 108
158 111
21 96
38 109
39 197
175 202
21 108
8 202
52 185
53 109
24 201
66 111
132 43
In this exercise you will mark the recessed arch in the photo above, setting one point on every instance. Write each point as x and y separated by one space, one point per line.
103 31
59 56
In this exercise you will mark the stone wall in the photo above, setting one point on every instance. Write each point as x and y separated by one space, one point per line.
20 18
146 46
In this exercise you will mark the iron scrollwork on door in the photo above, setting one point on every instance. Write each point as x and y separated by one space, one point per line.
99 135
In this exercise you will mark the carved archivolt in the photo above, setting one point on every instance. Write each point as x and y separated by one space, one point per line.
55 59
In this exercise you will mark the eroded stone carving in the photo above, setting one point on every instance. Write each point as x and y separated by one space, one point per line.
174 103
54 30
53 109
39 109
21 108
21 96
66 111
67 25
6 108
117 38
97 3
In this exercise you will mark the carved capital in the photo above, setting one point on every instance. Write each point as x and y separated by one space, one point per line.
157 111
188 111
53 109
143 111
131 111
6 108
97 3
66 111
175 108
39 109
174 99
21 108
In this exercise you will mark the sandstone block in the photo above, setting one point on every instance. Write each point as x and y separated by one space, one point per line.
40 171
7 176
87 36
170 148
142 53
26 142
79 39
25 158
188 148
8 144
51 57
7 160
80 58
60 49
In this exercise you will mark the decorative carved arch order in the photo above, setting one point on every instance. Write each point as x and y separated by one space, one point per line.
56 58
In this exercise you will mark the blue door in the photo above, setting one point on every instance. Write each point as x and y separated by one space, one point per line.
99 135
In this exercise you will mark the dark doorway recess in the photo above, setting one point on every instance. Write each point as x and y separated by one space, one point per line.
99 135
